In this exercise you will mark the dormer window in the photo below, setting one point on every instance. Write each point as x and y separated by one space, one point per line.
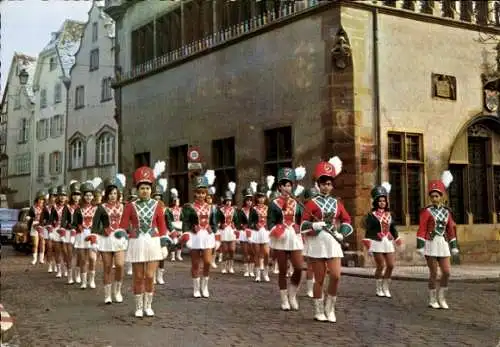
52 63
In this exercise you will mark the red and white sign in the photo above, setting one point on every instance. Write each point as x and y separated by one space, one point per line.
194 155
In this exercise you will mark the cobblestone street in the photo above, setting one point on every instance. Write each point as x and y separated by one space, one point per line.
48 312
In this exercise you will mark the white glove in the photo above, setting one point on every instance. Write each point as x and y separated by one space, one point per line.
454 251
420 251
164 252
338 236
317 226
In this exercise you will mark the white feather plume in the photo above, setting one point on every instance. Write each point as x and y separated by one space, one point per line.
232 187
316 186
174 193
337 164
159 168
298 190
300 173
162 182
211 190
121 177
253 186
72 181
96 182
269 181
210 175
446 178
387 186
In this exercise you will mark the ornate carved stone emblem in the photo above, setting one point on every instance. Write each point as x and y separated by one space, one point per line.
341 51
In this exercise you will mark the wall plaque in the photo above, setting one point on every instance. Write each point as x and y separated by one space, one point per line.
444 87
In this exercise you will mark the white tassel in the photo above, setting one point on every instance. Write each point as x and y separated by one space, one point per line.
270 181
122 179
253 187
387 186
298 190
159 168
300 173
162 182
211 190
210 176
174 193
96 182
337 164
446 178
232 187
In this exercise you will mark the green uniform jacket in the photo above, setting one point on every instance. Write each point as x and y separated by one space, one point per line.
190 219
275 214
373 228
221 219
249 222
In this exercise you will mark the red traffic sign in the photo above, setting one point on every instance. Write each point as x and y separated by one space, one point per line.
194 155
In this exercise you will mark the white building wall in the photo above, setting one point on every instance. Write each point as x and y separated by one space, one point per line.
95 118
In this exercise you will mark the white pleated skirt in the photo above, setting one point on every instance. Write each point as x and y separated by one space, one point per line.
46 234
323 246
68 238
111 244
80 242
243 236
438 247
143 249
260 236
383 246
33 232
54 235
227 234
201 240
289 241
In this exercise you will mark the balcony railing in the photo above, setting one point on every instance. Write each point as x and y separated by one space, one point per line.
218 38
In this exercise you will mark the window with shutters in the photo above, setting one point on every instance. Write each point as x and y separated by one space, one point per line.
56 126
57 93
95 32
224 163
24 130
94 59
106 90
55 163
105 149
41 165
77 153
79 97
278 147
406 175
178 171
43 129
43 98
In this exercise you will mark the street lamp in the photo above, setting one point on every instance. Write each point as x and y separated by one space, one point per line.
23 77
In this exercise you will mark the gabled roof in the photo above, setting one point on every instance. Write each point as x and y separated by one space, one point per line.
25 62
65 43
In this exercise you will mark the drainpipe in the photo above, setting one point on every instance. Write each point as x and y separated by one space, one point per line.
67 83
376 99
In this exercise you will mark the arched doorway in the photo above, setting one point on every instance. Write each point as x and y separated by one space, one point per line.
475 164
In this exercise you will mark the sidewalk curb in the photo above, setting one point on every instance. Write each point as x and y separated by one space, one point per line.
424 279
6 325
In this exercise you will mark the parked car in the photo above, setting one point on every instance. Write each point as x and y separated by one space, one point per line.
8 218
21 240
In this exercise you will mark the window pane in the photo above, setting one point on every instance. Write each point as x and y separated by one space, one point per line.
271 145
414 192
395 144
456 194
478 180
285 143
396 198
413 151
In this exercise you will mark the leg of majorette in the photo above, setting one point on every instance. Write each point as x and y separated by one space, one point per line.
84 265
264 261
195 272
69 263
119 258
389 266
64 257
250 258
232 251
334 270
50 255
129 268
282 261
257 259
318 267
445 267
207 261
34 243
244 251
432 264
297 262
41 249
107 266
172 254
58 256
151 268
138 270
92 259
178 252
274 257
310 278
214 257
160 271
80 254
225 253
379 269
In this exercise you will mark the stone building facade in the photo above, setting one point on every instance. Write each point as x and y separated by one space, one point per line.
91 139
396 89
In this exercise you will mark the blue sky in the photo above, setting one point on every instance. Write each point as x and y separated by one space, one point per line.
27 24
